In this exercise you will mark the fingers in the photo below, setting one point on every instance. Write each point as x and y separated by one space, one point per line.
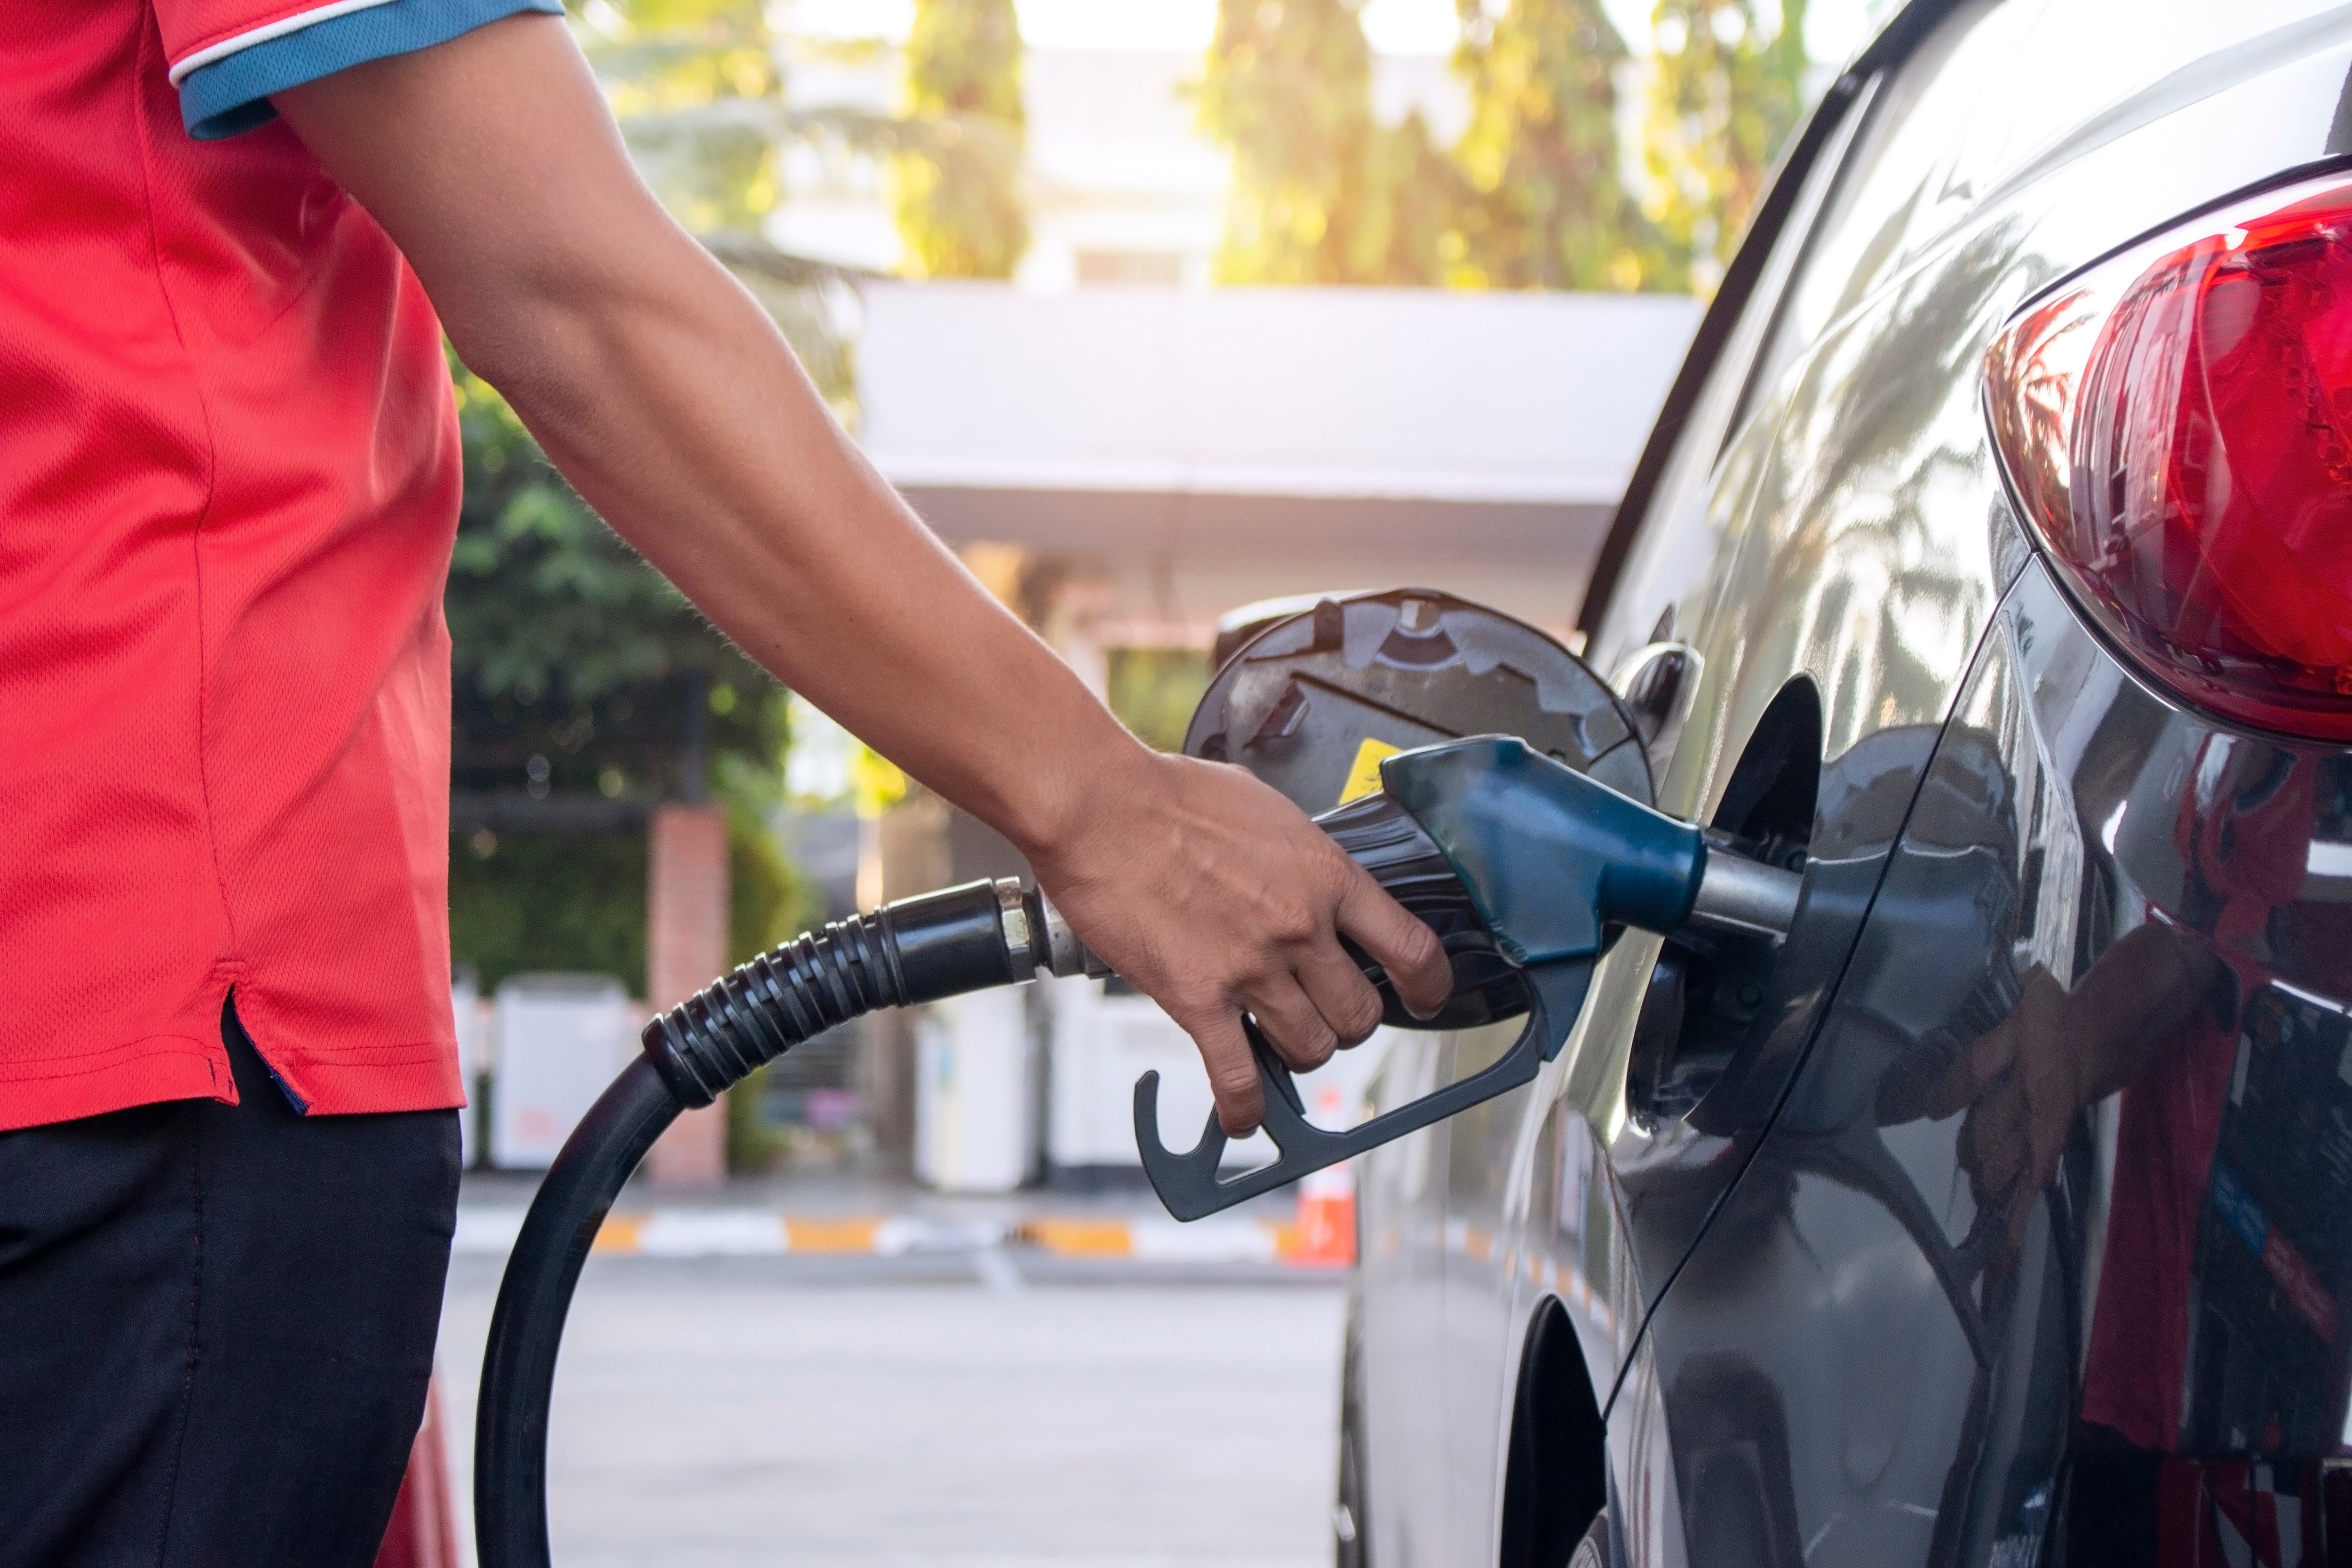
1305 1021
1220 899
1992 1148
1300 1033
1304 1015
1340 994
1233 1071
1294 1025
1408 950
2021 1215
1984 1059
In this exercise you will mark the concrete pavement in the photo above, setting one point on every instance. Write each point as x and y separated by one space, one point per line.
999 1408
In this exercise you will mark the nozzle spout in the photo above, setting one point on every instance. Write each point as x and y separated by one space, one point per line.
1745 897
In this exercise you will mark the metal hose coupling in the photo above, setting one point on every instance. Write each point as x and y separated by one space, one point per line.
961 939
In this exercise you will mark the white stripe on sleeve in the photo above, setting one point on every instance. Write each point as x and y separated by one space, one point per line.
267 31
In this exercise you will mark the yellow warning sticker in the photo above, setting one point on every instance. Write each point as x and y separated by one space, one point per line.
1364 774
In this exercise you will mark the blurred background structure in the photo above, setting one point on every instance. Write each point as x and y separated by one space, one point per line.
1154 309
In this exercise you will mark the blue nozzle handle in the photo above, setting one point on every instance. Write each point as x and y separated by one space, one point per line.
1548 855
1549 858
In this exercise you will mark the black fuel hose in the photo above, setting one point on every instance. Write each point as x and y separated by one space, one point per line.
534 1298
942 944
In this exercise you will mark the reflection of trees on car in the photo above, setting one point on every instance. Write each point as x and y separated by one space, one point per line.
1847 459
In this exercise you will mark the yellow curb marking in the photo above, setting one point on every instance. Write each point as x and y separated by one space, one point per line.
1079 1237
621 1233
842 1235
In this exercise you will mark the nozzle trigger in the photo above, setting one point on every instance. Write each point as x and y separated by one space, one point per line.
1189 1185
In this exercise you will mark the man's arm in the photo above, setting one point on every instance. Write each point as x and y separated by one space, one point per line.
664 393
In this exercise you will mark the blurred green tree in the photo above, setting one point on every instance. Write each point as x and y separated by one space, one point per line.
1724 96
1408 232
584 690
1534 195
540 591
576 901
956 177
569 648
542 902
1153 691
1548 206
1322 191
700 89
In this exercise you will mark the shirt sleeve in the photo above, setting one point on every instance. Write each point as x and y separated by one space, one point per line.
225 79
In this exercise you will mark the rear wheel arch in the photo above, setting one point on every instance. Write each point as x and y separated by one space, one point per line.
1556 1470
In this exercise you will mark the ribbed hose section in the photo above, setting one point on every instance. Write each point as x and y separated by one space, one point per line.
914 950
740 1023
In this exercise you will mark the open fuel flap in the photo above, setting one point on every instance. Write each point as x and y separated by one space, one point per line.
1312 704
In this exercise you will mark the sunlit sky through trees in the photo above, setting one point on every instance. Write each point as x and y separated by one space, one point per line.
1833 29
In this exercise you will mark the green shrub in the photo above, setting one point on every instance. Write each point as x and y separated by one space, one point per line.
558 900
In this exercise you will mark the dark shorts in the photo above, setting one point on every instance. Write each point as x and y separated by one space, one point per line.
217 1326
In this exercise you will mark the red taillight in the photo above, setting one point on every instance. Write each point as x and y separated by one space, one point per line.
2177 423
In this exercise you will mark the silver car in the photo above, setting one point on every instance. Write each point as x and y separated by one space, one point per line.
1991 563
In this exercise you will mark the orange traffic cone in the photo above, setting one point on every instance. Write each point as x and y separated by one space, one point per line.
1326 1217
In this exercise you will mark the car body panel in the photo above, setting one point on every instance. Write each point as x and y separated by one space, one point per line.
2139 913
1401 1316
1830 512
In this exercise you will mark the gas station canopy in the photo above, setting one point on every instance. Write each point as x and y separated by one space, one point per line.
1136 422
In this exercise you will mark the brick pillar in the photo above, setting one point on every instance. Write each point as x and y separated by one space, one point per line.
686 949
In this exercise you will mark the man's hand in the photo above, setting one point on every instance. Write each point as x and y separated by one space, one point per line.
669 400
2022 1081
1216 895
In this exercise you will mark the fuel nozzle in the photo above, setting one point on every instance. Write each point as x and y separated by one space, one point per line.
1543 818
1523 866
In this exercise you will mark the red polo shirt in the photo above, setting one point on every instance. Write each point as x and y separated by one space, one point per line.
228 487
